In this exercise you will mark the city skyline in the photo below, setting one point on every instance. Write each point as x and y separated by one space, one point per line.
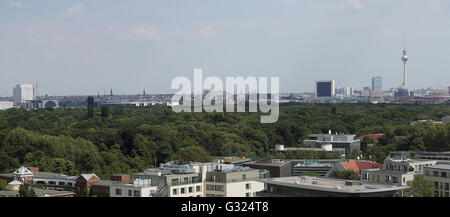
69 49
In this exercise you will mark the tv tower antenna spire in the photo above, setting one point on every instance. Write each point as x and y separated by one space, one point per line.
404 59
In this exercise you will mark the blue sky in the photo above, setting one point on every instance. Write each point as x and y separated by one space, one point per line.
86 47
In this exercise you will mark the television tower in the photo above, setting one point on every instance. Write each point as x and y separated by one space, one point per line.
404 59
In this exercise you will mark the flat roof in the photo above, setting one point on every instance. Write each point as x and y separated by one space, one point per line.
265 163
331 185
440 166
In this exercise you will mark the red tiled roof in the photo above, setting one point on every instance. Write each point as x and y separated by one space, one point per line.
374 137
357 166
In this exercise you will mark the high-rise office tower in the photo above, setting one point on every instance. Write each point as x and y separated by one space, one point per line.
377 83
325 88
23 92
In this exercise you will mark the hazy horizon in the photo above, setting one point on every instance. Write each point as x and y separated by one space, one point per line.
89 47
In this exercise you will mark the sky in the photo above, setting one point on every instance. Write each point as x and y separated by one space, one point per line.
88 47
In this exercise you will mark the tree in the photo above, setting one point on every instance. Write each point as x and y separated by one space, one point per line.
3 184
420 187
26 191
105 111
194 154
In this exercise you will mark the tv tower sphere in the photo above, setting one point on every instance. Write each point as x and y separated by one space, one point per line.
404 57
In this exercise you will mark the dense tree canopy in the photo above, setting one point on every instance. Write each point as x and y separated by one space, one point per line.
124 139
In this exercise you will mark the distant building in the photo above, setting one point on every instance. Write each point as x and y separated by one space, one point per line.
4 105
377 83
325 88
323 147
347 142
276 168
23 92
40 104
440 175
306 186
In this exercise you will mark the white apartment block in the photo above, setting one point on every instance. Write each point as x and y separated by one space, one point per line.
187 190
439 174
137 189
233 182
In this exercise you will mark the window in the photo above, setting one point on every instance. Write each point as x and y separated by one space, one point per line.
247 194
186 180
129 193
174 191
137 193
244 176
190 189
247 186
118 191
198 188
174 181
61 183
183 190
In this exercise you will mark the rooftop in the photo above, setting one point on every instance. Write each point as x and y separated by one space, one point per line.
268 163
49 175
331 185
440 166
357 166
39 193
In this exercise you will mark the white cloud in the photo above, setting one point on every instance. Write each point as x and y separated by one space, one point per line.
73 12
137 32
352 4
16 4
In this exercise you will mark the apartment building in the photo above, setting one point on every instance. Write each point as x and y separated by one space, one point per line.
138 188
398 170
341 141
233 181
176 180
439 174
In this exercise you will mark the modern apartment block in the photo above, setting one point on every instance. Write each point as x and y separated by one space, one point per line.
234 181
398 170
138 188
347 142
176 180
439 174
